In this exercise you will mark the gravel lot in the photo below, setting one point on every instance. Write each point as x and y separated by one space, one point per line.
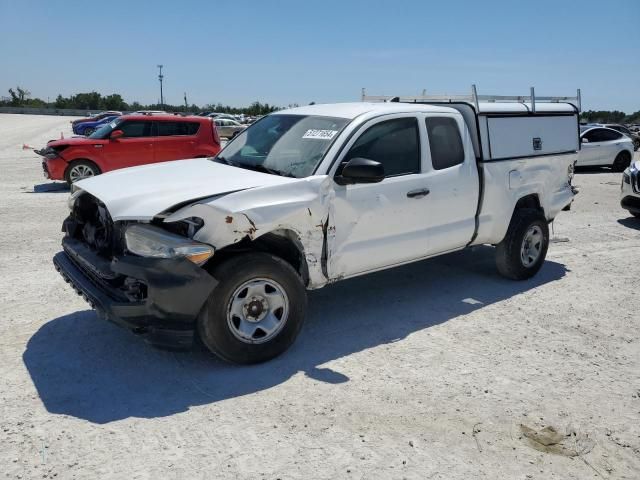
425 371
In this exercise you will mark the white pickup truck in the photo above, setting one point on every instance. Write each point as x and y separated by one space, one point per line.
226 247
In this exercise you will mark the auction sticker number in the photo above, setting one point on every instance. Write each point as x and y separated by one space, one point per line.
322 134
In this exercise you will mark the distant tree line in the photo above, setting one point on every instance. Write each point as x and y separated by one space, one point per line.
20 97
607 116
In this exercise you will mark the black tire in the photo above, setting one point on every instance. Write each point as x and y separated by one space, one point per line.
88 131
213 324
80 163
508 252
622 161
635 214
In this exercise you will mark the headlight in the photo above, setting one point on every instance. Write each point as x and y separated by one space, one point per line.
75 193
154 242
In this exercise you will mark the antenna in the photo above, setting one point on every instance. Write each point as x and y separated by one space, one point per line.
160 77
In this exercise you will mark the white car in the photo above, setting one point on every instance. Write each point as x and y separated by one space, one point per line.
226 248
604 147
630 191
228 128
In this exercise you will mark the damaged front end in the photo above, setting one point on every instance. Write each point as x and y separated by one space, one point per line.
159 295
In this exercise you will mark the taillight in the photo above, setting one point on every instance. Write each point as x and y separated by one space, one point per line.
216 137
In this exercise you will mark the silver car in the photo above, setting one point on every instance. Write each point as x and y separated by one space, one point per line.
228 128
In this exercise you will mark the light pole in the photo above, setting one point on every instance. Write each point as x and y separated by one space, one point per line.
160 77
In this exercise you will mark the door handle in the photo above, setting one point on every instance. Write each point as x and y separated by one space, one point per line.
419 193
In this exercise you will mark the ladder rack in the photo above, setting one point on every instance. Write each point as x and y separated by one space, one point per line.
474 99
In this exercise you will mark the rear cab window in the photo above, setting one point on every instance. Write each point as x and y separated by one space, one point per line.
445 142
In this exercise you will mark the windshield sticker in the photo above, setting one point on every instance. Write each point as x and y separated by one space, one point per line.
322 134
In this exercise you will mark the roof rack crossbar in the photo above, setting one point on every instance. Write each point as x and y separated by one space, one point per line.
474 98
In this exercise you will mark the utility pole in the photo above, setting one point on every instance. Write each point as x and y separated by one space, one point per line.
186 105
160 77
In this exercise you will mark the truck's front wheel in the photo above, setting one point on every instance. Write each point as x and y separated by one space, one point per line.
522 251
256 311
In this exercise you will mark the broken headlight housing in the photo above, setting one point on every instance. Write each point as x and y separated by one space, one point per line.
75 193
149 241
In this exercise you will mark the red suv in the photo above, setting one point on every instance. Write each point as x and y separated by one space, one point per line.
129 141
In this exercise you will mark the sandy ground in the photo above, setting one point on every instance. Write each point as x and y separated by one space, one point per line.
425 371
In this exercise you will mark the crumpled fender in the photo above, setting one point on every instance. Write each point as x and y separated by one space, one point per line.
302 206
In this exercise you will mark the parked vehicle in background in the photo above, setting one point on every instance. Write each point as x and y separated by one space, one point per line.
622 129
149 112
88 127
630 190
604 147
228 128
307 197
128 141
96 117
222 116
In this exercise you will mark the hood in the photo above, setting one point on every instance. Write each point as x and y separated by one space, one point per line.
76 140
141 193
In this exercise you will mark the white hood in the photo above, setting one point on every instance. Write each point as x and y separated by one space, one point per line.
140 193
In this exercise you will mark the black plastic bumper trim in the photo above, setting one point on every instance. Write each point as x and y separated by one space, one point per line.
176 291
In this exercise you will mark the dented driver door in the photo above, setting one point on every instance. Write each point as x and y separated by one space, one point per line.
373 226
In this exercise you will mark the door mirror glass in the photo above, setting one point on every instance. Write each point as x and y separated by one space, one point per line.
361 170
116 134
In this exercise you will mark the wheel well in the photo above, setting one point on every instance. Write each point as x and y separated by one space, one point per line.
282 243
77 160
529 201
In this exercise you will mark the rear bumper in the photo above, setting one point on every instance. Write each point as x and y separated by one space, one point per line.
176 290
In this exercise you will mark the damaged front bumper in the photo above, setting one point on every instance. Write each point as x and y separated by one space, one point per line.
160 298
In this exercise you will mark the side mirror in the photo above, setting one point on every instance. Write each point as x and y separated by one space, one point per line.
585 140
361 170
116 134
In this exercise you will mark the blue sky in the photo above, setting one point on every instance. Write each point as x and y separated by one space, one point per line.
285 52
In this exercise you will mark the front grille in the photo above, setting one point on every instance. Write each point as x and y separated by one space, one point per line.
91 224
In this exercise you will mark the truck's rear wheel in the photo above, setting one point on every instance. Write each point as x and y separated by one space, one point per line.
522 251
256 311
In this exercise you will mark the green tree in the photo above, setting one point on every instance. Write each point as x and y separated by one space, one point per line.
114 102
18 96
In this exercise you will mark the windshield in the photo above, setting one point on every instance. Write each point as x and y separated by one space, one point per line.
105 130
289 145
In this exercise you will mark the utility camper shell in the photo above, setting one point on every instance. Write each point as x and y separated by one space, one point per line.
510 127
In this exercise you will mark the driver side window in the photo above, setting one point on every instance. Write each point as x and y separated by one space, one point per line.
135 128
393 143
